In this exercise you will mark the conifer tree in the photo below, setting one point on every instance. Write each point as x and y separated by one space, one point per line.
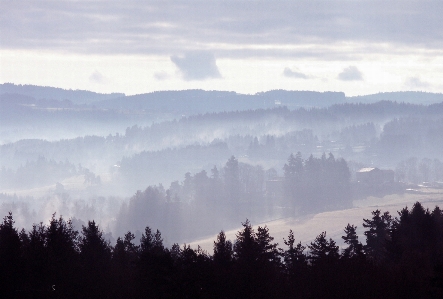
63 256
267 250
232 179
323 251
377 235
245 247
35 257
10 254
294 257
355 248
93 247
222 250
95 259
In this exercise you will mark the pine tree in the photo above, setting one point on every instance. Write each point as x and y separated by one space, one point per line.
124 258
222 250
154 267
245 247
95 259
232 179
267 250
323 251
294 257
63 256
94 248
377 235
35 257
355 248
293 183
10 253
223 267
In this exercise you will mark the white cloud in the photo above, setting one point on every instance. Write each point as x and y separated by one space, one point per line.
416 82
350 73
197 65
161 76
97 77
287 72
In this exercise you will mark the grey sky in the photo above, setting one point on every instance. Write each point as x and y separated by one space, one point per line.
220 26
141 46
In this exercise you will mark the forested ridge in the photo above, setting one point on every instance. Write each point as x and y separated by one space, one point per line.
203 202
201 167
401 258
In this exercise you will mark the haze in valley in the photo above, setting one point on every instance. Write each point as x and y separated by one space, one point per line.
191 117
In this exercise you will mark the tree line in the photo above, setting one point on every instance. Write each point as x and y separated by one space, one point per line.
203 202
317 184
49 171
402 258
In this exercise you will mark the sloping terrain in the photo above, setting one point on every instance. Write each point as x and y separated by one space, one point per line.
306 228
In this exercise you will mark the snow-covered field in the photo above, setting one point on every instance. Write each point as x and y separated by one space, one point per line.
308 227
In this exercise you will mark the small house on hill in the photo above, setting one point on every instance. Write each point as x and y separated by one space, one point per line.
375 176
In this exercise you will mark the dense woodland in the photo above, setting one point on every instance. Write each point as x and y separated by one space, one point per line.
401 258
203 202
190 163
85 155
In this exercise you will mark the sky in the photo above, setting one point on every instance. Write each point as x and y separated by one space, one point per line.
356 46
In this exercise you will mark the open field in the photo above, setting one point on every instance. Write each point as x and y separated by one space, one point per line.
308 227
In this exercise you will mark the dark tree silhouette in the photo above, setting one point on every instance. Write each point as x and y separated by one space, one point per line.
294 257
63 257
155 266
10 252
323 251
268 251
355 248
377 235
222 258
36 259
95 259
410 266
124 258
222 250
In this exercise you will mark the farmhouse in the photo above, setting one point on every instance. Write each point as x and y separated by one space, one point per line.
374 176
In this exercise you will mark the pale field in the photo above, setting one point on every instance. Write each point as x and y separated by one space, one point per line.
306 228
71 184
35 205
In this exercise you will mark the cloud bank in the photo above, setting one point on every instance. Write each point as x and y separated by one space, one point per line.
350 74
197 65
416 82
287 72
97 77
227 28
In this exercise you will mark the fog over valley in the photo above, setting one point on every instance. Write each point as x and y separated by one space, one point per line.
193 162
221 149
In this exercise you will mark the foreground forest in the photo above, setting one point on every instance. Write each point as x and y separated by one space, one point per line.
401 258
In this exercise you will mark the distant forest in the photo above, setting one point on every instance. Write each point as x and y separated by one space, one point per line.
401 258
203 202
192 162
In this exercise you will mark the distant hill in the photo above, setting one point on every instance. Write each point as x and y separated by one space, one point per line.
412 97
189 102
53 93
307 99
200 101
